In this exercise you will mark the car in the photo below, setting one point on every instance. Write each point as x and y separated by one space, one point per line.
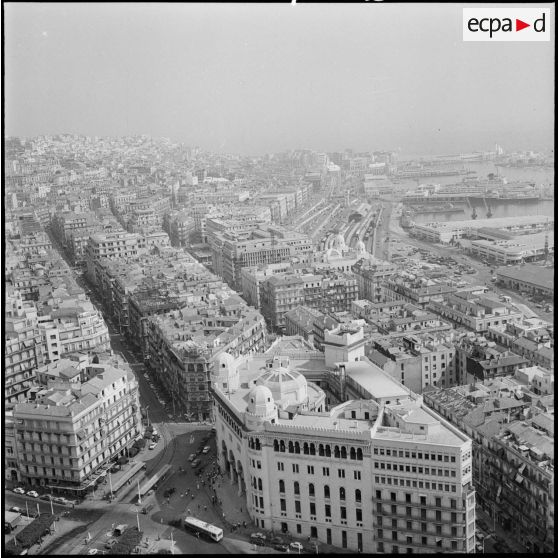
213 429
59 500
92 551
19 490
33 494
199 450
296 546
191 457
207 449
195 463
281 547
110 543
15 509
46 497
257 536
155 433
152 446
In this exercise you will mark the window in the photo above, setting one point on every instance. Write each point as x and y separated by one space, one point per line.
358 495
280 466
392 496
394 535
438 515
310 469
358 514
326 491
311 489
341 473
297 506
344 539
341 493
438 502
327 510
295 467
283 503
298 528
343 512
325 471
296 488
281 486
356 475
312 508
408 498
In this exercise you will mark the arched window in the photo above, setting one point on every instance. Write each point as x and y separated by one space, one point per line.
296 487
258 445
326 491
282 446
305 448
321 450
358 497
297 447
311 489
275 445
353 453
343 452
260 487
341 493
312 449
328 451
359 454
291 447
336 452
281 486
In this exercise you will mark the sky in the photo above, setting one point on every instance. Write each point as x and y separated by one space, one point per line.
252 79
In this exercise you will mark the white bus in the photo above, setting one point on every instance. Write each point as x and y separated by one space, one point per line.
206 529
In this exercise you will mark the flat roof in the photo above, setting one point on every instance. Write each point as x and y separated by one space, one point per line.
374 380
537 275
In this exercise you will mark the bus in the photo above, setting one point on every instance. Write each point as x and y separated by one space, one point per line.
206 529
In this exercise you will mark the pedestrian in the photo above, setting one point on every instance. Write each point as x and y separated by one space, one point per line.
199 506
205 508
189 512
193 496
182 494
240 509
244 524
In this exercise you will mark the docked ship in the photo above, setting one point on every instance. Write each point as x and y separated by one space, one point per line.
426 172
442 208
495 189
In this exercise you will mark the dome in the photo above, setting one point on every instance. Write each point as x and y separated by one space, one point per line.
224 360
287 386
339 242
260 402
360 246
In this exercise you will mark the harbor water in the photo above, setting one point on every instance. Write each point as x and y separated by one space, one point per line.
540 176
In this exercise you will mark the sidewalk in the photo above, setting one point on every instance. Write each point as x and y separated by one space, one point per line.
500 533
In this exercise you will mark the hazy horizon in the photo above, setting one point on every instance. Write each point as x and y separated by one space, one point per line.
254 79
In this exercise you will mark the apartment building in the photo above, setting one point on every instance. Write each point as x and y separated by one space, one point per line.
70 326
182 347
417 360
415 289
300 321
477 358
513 452
67 436
473 311
371 275
252 277
109 245
364 475
333 292
231 252
23 347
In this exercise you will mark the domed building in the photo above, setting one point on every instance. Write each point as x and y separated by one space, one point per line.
288 387
261 403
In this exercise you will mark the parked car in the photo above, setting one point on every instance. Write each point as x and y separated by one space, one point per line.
191 457
145 510
15 509
258 538
110 543
281 547
19 490
207 449
33 494
45 497
296 546
199 450
195 463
